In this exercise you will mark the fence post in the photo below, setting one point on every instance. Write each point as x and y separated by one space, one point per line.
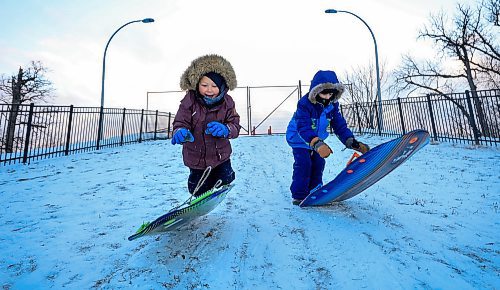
472 119
28 134
377 116
359 118
401 116
431 113
68 134
147 121
140 129
123 127
168 126
300 89
100 127
249 111
156 124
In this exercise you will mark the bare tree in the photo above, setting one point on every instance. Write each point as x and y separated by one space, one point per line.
29 85
363 83
468 45
362 87
493 10
468 58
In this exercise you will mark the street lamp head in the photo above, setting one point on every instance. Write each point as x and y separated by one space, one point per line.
331 11
376 59
148 20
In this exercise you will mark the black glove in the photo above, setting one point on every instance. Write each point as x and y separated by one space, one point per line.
352 143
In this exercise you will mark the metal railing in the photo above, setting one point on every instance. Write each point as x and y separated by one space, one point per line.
469 117
32 132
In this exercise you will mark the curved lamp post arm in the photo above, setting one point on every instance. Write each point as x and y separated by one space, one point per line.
379 95
146 20
361 19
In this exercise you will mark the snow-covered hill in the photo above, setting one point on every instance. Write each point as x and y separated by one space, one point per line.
432 223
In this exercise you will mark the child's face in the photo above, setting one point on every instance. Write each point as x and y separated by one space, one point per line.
208 88
325 96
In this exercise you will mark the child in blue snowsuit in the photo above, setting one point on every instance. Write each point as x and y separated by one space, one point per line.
308 128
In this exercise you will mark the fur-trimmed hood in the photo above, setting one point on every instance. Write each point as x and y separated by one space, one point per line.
325 80
205 64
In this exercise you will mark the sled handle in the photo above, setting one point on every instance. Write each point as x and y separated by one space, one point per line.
354 156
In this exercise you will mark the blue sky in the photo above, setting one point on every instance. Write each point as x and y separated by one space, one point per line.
268 42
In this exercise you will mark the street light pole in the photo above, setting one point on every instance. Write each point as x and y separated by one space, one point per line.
145 20
379 96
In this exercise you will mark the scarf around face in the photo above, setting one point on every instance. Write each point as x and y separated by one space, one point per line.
322 101
212 102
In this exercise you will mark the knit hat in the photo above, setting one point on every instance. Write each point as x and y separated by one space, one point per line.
217 79
329 91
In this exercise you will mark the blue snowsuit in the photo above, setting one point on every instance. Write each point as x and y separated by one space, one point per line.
311 120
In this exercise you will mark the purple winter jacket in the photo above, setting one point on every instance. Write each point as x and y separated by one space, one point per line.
206 150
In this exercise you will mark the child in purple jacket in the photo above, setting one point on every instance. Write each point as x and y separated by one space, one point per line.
205 122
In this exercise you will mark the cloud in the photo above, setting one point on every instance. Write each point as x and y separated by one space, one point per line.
268 43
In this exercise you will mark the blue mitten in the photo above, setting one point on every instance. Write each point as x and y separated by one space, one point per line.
217 129
182 135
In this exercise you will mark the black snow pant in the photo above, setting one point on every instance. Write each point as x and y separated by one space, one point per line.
223 172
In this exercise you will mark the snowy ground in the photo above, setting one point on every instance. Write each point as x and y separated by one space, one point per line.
432 223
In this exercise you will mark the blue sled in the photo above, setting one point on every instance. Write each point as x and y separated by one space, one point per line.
367 169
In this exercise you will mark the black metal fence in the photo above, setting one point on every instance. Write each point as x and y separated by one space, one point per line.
32 132
469 117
